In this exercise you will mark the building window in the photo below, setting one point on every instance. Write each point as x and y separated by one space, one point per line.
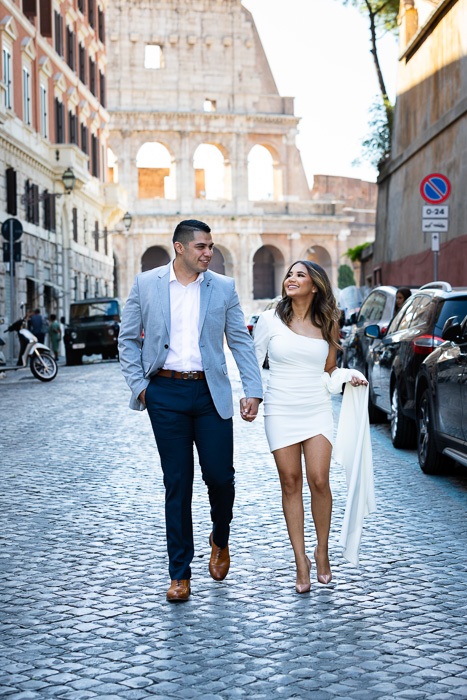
153 57
11 191
58 33
209 105
45 11
84 139
96 236
101 24
92 77
91 13
82 6
49 211
102 89
59 121
75 224
31 197
7 78
72 127
70 48
82 64
106 247
96 288
26 96
44 115
94 156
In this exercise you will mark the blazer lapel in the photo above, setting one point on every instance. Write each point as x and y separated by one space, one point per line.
163 282
205 294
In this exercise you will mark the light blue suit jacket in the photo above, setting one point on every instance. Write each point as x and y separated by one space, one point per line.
148 308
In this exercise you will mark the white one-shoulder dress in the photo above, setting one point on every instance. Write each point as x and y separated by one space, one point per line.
297 404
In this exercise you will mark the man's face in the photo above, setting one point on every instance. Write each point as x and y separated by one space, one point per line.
196 255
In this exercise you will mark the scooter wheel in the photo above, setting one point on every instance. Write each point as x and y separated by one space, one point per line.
44 367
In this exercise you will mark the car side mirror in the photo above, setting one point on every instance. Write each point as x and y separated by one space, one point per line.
451 329
373 331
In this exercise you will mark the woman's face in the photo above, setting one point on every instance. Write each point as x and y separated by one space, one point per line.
399 300
298 283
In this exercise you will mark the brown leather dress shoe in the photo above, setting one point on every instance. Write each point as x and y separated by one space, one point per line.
179 590
220 561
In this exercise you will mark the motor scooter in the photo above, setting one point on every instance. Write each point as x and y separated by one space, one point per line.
41 361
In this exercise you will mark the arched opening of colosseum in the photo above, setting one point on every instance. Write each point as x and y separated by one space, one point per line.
268 272
212 172
264 175
156 171
154 257
320 255
112 166
217 263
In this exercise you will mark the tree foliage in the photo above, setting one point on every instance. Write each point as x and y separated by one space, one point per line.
345 276
355 254
376 146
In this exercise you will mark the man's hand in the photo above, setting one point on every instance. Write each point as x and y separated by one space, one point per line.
142 398
249 409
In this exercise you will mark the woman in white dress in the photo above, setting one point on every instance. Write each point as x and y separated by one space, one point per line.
301 339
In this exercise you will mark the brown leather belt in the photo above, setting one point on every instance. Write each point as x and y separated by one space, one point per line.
195 374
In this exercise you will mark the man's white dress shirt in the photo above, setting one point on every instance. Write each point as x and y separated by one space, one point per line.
184 354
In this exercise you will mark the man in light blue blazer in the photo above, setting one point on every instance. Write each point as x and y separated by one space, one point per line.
179 373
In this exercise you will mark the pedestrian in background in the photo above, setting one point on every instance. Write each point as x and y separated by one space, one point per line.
55 335
36 325
61 347
301 337
180 375
402 294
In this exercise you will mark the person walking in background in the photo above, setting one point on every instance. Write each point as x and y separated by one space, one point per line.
301 338
402 294
180 375
61 347
55 335
36 325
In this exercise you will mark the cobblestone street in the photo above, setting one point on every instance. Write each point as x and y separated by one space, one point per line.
84 568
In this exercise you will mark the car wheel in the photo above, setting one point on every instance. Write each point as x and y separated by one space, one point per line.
402 428
430 460
74 358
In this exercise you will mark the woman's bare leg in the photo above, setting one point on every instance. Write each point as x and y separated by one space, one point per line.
317 452
289 465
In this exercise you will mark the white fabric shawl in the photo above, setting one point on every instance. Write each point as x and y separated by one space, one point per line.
353 451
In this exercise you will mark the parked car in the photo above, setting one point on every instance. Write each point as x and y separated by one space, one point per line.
252 323
441 401
394 361
93 329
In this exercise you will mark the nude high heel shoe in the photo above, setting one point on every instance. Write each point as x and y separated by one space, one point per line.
304 587
322 578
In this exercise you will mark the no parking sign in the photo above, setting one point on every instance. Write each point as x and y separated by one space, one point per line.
435 188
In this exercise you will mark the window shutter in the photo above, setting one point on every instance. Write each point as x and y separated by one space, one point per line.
11 191
75 224
45 7
96 236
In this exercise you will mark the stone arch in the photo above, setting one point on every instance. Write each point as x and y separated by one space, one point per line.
268 272
155 256
222 261
320 255
212 172
156 171
264 173
112 166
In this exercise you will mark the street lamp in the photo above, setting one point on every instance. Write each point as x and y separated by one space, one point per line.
68 179
127 220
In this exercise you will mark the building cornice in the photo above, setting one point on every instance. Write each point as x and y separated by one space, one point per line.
426 29
279 119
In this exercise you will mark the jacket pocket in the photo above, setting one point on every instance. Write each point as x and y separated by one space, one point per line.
224 369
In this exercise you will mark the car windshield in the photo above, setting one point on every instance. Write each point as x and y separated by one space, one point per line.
450 307
95 311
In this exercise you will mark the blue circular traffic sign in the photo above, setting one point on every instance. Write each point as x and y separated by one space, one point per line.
435 188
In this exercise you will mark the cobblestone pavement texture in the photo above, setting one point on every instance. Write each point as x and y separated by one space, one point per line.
84 568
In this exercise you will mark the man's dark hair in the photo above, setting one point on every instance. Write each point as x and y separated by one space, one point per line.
37 311
185 230
52 317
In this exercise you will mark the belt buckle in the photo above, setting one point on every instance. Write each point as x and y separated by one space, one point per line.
190 375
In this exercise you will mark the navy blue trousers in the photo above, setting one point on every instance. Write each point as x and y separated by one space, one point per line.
182 413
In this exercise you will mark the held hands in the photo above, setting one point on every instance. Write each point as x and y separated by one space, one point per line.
249 408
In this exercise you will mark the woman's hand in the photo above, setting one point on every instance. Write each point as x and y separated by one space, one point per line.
358 380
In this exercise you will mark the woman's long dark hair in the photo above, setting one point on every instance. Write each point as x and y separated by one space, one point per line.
323 311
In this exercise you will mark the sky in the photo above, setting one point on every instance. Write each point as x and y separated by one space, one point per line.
319 53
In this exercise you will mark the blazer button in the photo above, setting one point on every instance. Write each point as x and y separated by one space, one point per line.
166 347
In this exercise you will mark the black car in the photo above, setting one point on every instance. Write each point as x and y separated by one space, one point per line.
93 329
394 361
441 401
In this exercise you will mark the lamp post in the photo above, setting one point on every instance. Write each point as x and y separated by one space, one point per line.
127 221
68 179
